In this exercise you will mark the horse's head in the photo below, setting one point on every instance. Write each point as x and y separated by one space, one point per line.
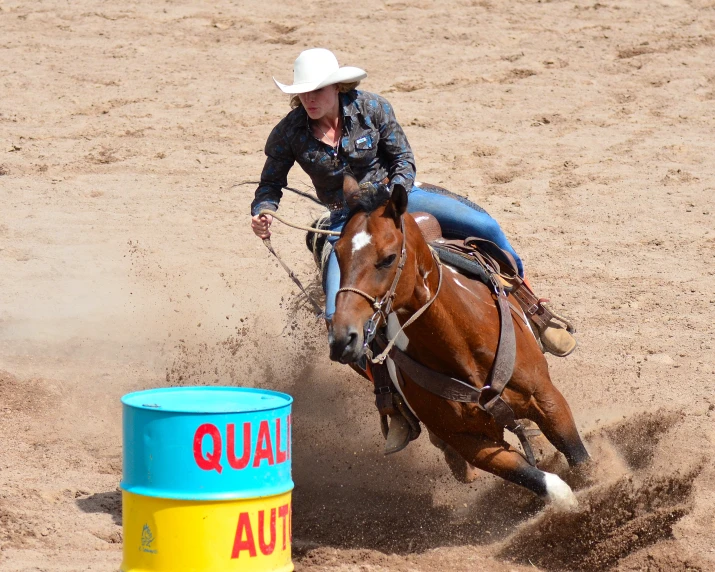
370 252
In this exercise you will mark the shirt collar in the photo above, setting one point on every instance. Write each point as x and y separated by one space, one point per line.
349 104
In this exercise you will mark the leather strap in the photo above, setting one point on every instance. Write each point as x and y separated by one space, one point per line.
383 390
503 367
531 305
454 389
435 382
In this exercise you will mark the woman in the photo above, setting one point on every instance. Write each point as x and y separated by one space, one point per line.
332 125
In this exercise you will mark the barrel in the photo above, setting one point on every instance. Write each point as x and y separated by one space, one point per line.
206 481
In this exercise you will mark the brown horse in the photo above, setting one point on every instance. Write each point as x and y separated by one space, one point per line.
457 335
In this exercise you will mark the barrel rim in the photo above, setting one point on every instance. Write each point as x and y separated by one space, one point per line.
244 494
288 399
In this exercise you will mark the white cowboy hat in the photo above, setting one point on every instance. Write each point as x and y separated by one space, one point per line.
317 68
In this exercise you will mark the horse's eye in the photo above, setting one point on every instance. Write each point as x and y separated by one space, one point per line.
386 262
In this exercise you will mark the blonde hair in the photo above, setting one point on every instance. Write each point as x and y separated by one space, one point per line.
342 88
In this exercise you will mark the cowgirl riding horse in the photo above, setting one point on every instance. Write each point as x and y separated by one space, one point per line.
333 126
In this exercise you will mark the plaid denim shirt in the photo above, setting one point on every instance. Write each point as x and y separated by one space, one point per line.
373 145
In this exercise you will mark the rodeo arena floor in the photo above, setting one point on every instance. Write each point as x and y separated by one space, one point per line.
130 137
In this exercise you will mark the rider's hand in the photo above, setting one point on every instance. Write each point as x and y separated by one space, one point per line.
261 225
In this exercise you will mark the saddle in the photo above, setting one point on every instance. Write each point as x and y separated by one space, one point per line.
481 259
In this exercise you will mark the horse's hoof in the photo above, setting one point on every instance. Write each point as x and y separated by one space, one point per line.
558 493
398 436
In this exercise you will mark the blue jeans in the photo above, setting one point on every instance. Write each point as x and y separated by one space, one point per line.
458 217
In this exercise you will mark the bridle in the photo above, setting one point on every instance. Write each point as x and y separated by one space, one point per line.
383 305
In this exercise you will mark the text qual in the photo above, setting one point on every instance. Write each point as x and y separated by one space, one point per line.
240 452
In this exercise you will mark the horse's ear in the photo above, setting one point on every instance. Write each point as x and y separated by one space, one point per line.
351 188
398 202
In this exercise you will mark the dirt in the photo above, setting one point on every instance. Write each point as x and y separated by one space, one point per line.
127 132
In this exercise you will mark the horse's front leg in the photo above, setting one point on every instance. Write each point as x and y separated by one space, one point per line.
550 411
500 459
461 470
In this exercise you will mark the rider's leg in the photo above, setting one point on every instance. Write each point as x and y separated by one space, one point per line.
459 217
332 271
332 285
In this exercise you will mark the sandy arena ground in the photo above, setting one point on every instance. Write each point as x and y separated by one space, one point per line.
127 262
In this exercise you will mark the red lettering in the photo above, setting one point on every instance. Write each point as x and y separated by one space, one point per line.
290 521
290 435
283 513
212 461
244 524
266 548
281 456
242 462
264 447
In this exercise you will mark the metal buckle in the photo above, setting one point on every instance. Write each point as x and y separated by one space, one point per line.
383 390
533 309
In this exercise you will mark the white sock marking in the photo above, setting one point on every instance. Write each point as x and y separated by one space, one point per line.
559 493
360 240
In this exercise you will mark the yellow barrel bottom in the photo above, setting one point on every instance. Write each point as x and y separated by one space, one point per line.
165 535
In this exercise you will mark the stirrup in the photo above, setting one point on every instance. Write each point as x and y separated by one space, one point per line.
399 434
557 340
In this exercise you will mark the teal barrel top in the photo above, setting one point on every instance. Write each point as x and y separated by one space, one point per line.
207 443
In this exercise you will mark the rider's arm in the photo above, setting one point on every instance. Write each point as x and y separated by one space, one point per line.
394 144
279 160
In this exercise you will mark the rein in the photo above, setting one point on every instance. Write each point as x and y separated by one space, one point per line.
293 277
383 305
267 242
298 226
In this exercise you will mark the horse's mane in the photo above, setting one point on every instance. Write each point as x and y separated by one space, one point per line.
368 199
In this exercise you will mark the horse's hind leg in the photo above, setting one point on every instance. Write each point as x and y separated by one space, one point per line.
501 460
552 414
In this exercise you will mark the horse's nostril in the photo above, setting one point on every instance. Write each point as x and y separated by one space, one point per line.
352 341
343 347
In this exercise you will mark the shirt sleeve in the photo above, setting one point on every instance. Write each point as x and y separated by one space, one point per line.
279 160
393 142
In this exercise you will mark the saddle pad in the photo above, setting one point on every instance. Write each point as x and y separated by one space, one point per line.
466 265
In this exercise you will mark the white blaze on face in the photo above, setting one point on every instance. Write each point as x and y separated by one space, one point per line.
360 240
